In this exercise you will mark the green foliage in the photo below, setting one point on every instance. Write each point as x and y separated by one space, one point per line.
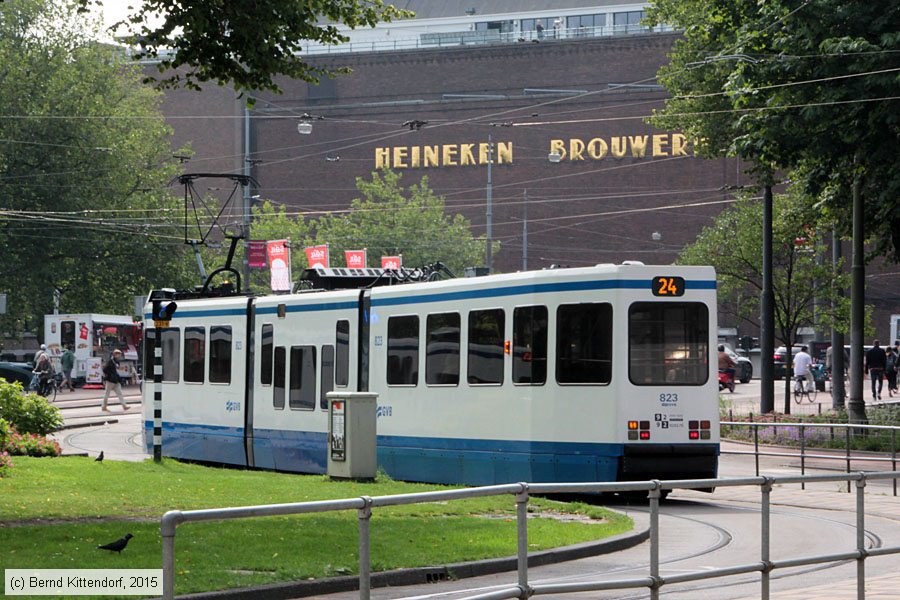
27 412
732 245
225 42
390 220
807 87
6 464
5 431
85 164
246 552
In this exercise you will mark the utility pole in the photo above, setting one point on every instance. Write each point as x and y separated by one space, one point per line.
247 199
525 231
856 405
837 338
489 250
767 316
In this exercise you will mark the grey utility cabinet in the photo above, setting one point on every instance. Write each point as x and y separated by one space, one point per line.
351 435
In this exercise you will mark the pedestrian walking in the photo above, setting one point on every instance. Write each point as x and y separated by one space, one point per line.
890 370
875 364
113 381
68 363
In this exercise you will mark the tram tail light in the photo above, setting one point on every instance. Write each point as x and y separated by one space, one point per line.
699 430
638 430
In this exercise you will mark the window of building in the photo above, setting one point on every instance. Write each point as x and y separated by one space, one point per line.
265 355
327 376
171 347
303 378
280 366
220 354
403 351
668 343
485 364
342 356
194 354
585 22
442 349
529 361
584 343
628 21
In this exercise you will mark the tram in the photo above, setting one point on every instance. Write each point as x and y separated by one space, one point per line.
603 373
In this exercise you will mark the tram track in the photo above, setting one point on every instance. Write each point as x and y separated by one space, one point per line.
722 538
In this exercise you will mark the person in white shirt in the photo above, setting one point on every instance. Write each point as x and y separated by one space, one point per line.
802 364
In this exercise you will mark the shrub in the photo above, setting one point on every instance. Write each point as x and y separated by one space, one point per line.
27 412
29 444
5 430
5 464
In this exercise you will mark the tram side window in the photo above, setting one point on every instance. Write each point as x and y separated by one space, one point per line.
171 347
342 357
220 354
149 354
194 354
442 349
279 364
584 343
486 328
326 384
303 378
403 351
668 343
265 355
529 361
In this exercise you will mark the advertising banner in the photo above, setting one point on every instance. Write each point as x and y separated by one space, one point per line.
256 254
317 256
392 262
356 259
279 265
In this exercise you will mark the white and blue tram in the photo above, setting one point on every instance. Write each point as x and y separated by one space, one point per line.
579 374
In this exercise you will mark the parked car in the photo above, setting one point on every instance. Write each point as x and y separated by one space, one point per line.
13 372
779 358
743 370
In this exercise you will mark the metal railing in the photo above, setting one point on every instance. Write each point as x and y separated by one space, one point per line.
850 432
522 588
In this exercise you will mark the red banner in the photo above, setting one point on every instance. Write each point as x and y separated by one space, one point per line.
392 262
279 265
256 254
356 259
317 256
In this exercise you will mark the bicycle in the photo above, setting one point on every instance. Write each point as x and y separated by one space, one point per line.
803 389
48 387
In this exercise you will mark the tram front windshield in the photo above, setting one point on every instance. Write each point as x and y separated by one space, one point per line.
668 343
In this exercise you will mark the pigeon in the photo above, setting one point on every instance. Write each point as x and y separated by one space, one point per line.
118 545
99 457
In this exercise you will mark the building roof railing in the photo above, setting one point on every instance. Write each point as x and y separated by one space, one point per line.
457 39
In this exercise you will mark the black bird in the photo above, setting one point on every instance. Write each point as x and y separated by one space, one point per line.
118 545
99 457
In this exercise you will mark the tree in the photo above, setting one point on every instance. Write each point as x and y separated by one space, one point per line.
84 167
389 220
802 282
807 86
246 45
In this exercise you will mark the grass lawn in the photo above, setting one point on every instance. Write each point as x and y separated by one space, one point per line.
55 511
